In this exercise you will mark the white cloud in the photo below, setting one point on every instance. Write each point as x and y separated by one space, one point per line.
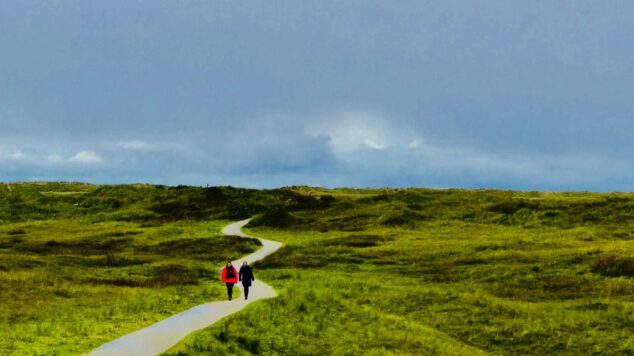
346 149
88 157
416 143
133 145
376 149
17 156
374 145
145 146
356 130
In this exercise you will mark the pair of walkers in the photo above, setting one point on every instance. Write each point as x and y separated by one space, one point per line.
231 276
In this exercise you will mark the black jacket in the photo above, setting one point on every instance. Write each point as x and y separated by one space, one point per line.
246 275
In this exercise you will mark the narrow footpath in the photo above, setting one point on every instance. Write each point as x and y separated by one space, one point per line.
159 337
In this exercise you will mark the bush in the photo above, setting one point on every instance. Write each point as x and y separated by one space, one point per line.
277 217
214 194
237 210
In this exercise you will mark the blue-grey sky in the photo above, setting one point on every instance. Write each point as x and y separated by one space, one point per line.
501 94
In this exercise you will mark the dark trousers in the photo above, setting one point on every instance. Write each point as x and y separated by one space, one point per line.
246 291
230 290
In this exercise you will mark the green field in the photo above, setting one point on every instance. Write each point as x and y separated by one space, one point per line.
374 271
78 270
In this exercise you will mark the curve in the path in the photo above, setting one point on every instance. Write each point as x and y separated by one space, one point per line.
159 337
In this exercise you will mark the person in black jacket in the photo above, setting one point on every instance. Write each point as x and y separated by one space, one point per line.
246 276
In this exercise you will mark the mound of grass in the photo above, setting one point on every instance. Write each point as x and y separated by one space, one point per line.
276 217
401 217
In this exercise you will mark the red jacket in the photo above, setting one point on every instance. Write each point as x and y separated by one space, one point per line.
229 280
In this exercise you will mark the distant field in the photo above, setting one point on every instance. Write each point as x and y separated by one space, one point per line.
373 271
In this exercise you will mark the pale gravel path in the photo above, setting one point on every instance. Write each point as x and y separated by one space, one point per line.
159 337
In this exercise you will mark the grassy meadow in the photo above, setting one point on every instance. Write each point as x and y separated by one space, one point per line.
80 266
367 271
416 271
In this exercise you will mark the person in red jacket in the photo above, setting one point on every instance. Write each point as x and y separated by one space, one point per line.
229 276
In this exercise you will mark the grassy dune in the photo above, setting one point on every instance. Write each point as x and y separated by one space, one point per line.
68 286
441 272
72 279
373 271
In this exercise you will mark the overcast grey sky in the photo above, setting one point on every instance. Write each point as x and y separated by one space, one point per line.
502 94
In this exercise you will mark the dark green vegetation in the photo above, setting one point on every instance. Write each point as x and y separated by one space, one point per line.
449 272
380 271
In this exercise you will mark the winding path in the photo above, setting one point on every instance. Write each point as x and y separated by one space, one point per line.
160 336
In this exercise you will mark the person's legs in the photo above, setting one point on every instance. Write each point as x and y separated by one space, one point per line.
246 292
230 290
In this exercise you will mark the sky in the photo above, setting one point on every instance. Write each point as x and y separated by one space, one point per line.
526 95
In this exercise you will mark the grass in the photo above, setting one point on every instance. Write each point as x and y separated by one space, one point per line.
368 271
68 286
441 272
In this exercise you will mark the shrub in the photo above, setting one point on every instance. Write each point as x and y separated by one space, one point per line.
237 210
277 217
213 194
